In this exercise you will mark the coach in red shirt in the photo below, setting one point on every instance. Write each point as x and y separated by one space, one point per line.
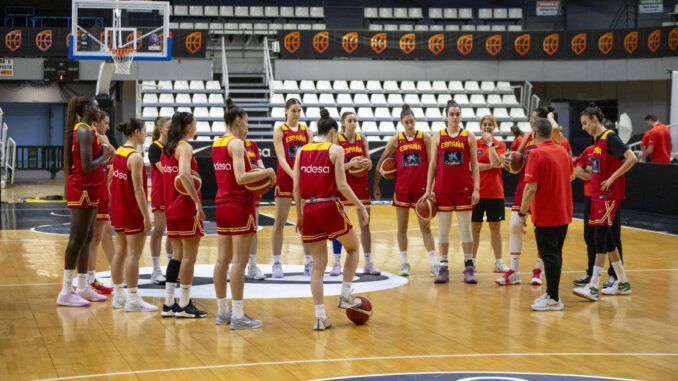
656 142
548 197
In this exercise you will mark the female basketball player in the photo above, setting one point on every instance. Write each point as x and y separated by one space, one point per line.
355 147
287 139
102 227
130 217
254 157
160 128
454 169
413 150
83 156
318 178
184 215
610 160
235 216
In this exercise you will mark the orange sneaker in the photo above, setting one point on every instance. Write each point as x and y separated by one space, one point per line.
100 288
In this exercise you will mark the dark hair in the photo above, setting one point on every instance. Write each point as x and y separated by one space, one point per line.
451 103
610 125
407 110
180 120
516 131
87 110
129 126
102 115
593 110
159 121
326 123
651 117
291 102
543 112
542 128
232 112
345 115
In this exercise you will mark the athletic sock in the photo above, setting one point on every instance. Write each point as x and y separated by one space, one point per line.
67 285
119 290
468 260
82 281
368 258
169 257
619 270
156 263
320 311
515 262
253 259
346 288
223 305
337 259
539 265
595 278
172 273
443 260
132 293
308 259
403 256
91 275
185 295
237 309
432 257
276 259
169 293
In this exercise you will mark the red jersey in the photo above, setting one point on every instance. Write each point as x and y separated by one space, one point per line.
253 154
316 172
411 163
566 144
228 189
529 147
177 205
157 193
453 173
585 161
124 209
91 179
516 143
102 191
606 157
292 141
659 137
491 184
351 150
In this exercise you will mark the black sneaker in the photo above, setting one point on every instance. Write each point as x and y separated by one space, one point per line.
168 311
583 281
190 312
610 282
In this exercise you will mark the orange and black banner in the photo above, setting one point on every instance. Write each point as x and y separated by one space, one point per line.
53 42
536 45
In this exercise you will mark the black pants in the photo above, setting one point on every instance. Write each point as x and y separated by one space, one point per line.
590 240
550 240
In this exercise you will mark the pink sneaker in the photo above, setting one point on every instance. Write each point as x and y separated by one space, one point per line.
91 295
336 270
536 277
71 300
370 269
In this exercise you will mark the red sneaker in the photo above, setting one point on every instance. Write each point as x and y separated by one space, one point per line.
536 277
100 288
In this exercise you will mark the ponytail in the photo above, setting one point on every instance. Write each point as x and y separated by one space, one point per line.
593 110
180 120
128 127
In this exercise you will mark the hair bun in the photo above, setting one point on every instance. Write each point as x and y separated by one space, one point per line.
406 107
592 104
324 114
550 108
451 101
121 126
229 103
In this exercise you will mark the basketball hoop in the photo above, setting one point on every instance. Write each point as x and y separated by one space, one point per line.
122 58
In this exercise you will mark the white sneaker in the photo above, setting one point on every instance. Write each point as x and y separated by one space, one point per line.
322 324
510 277
435 269
157 277
349 301
500 266
588 292
404 269
543 296
547 304
254 272
617 288
119 301
139 305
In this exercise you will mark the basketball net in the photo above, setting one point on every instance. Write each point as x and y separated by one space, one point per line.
122 58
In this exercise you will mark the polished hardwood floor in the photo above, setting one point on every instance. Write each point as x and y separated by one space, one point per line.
418 327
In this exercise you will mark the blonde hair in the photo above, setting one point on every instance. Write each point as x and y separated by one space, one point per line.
491 119
159 121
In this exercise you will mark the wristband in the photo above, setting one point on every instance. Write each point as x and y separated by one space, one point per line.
521 214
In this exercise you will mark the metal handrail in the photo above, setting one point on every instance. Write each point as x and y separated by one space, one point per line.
268 68
224 69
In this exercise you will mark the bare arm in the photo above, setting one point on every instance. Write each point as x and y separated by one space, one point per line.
296 191
88 164
367 153
337 156
629 161
528 195
432 164
280 150
473 147
260 163
135 164
523 143
388 151
646 152
184 152
236 148
582 174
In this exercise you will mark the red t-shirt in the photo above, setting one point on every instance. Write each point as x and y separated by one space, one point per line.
584 162
550 167
658 136
516 143
565 144
491 185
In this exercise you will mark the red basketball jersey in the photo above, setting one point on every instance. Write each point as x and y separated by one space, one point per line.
91 179
157 191
411 163
253 154
316 171
351 150
228 188
102 191
124 209
603 165
177 205
292 141
453 172
529 147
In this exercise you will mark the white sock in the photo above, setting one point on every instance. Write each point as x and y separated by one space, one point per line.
169 257
346 288
468 257
185 297
320 311
156 263
403 256
132 292
82 281
308 259
432 257
119 290
539 265
169 293
237 309
337 259
67 285
443 260
515 262
619 270
368 258
595 278
223 305
253 259
276 259
91 276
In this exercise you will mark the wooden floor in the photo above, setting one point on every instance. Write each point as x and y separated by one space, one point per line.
419 327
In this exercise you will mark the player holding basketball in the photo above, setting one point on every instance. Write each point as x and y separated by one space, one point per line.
355 149
160 128
318 178
254 157
84 155
130 217
610 159
413 150
288 138
235 216
454 169
184 215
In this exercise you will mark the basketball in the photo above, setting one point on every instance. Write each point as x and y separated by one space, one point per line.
517 162
388 168
426 209
361 314
363 169
197 183
261 186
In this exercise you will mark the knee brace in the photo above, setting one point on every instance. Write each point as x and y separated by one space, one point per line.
464 220
444 223
516 236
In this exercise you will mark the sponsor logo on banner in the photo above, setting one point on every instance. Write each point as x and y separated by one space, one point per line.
522 44
43 40
631 42
578 43
321 41
436 43
407 43
6 67
673 39
378 42
493 44
291 42
551 43
194 42
605 42
350 42
13 40
653 40
465 44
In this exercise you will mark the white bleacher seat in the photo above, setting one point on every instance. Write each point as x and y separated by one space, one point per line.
437 28
505 126
435 13
371 13
443 98
241 11
203 138
509 100
216 99
290 85
317 12
148 84
391 27
286 11
301 12
274 26
357 85
456 87
451 27
376 27
361 100
480 28
386 13
310 99
185 25
318 27
429 100
473 127
203 127
256 11
405 27
438 86
500 13
395 112
313 126
199 99
344 99
461 99
365 113
323 86
183 99
467 113
482 111
421 28
278 112
494 100
201 112
369 128
289 26
524 127
180 10
424 85
414 13
291 95
334 112
391 86
468 28
373 85
195 10
466 13
180 85
503 86
433 113
226 10
270 11
517 113
174 25
306 85
218 127
149 130
231 27
150 99
418 112
478 99
312 112
149 112
471 86
201 25
395 100
515 13
487 86
166 111
437 126
277 99
216 26
212 85
408 86
498 28
340 85
260 28
246 27
422 126
484 13
400 127
382 112
412 99
450 13
326 99
500 113
184 109
515 28
347 109
387 128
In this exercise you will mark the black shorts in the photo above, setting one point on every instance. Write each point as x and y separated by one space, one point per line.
493 207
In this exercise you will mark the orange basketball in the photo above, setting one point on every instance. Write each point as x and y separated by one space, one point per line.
426 209
360 314
517 162
388 168
261 186
197 183
362 170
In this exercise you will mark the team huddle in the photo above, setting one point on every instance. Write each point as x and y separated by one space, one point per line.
452 170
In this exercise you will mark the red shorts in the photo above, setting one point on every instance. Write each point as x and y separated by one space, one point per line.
103 210
363 196
284 185
185 227
449 202
80 197
257 200
131 230
324 220
518 198
158 208
233 218
603 212
406 200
